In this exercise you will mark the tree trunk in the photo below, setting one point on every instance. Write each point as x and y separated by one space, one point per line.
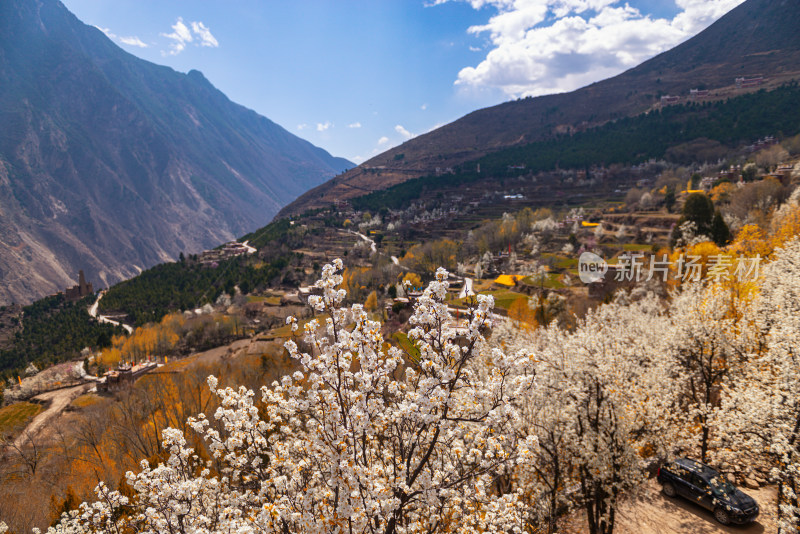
704 441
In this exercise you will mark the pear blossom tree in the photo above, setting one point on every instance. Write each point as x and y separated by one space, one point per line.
543 414
706 350
598 410
548 478
361 439
612 369
761 412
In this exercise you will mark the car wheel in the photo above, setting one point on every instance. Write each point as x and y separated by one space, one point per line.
669 490
722 516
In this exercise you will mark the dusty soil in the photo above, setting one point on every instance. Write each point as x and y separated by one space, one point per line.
57 402
218 353
649 511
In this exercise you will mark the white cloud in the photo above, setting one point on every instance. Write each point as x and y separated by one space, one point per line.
202 31
423 107
547 46
402 131
133 41
107 31
357 159
302 126
354 125
437 126
181 36
383 140
322 126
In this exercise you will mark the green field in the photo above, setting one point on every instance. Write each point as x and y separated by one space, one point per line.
272 300
14 417
636 247
551 281
503 298
559 261
285 331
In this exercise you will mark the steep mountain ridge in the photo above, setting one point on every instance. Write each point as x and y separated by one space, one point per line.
756 38
111 164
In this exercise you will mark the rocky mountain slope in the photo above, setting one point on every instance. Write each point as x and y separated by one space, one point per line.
111 164
756 38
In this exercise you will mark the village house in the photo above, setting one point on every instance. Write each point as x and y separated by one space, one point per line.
707 183
744 82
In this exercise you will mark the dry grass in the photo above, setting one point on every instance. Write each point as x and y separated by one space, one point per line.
271 300
285 331
84 401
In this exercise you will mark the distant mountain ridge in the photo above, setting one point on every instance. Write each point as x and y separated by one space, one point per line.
111 164
759 37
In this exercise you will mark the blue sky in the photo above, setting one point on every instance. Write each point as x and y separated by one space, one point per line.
358 77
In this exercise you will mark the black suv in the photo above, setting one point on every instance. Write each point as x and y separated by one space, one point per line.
700 483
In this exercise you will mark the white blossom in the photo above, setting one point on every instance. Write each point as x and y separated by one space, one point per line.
361 439
760 413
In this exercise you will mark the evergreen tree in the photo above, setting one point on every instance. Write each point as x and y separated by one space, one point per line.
699 209
720 232
669 199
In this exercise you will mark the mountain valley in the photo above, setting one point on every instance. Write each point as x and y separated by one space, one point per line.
112 164
511 323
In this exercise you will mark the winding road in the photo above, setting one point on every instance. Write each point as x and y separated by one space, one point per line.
368 240
103 318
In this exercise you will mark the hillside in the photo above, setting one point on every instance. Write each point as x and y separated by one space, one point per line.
756 38
682 134
607 350
111 164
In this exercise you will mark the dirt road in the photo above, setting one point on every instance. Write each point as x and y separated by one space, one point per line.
103 318
649 511
58 401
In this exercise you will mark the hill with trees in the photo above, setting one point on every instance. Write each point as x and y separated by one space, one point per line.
53 331
459 433
682 134
186 285
191 283
753 39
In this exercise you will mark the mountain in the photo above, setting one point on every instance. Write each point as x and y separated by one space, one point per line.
758 37
111 164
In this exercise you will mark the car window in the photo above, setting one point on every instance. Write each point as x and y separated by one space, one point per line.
681 471
698 481
722 486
